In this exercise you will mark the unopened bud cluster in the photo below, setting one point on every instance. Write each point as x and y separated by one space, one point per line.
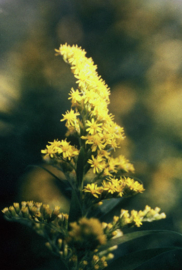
38 215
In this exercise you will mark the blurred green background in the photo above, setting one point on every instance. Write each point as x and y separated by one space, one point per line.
137 46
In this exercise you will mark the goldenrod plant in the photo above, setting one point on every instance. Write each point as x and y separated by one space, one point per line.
93 176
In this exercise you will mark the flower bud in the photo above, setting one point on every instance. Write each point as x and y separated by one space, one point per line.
23 204
25 212
60 243
12 211
48 245
17 207
6 212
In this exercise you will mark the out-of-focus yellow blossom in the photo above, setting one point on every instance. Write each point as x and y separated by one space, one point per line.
123 164
86 234
133 185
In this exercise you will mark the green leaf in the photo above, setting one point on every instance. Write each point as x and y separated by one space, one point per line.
136 259
80 167
75 207
63 184
169 260
135 235
108 205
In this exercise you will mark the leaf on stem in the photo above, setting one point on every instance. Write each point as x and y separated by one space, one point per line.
136 259
75 207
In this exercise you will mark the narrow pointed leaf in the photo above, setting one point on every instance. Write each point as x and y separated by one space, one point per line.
106 207
135 235
169 260
136 259
75 207
64 184
80 166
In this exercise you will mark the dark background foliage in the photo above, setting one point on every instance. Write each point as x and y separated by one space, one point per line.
137 47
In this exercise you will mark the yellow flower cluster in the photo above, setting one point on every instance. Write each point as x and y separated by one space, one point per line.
60 150
114 188
107 165
90 118
137 217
